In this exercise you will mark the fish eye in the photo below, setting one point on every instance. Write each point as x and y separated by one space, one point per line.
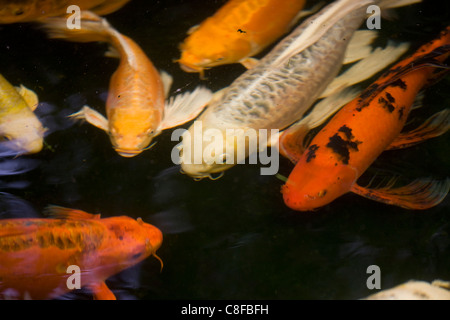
5 138
322 193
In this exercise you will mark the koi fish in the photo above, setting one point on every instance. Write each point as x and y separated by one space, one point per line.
35 253
351 141
415 290
33 10
136 109
282 87
20 129
236 32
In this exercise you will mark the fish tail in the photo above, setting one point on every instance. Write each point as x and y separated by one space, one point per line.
92 28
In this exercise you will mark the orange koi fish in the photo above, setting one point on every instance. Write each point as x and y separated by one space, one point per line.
352 140
13 11
136 109
237 31
35 253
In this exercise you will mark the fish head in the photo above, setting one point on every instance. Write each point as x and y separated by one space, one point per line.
131 135
201 51
132 241
208 150
312 185
22 132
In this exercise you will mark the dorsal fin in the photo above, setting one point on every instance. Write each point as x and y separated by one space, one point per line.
67 213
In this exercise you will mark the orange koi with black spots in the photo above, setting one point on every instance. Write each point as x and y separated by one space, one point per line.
351 141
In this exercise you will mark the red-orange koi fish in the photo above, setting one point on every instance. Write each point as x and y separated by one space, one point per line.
35 254
351 141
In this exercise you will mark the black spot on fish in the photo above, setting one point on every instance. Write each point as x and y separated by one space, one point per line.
386 104
347 131
311 154
399 83
241 31
390 98
368 92
342 147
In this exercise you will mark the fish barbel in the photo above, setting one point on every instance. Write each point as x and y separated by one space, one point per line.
35 253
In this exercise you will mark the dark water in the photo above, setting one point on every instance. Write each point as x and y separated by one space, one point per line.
232 238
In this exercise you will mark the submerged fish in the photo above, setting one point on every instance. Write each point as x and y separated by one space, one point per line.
351 141
13 11
280 89
20 129
35 253
415 290
136 109
237 31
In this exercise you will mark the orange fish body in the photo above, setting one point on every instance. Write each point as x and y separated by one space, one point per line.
12 11
238 30
135 102
340 153
35 254
136 106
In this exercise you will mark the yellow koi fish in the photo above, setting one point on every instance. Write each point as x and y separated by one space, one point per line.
136 109
12 11
20 129
236 32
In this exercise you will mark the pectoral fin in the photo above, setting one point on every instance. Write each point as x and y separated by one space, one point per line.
367 67
418 195
434 126
67 213
185 107
91 116
291 143
29 96
193 29
101 291
167 82
249 63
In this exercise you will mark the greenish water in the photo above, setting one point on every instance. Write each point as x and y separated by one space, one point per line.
232 238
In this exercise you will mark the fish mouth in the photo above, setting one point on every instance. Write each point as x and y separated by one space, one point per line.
190 68
128 153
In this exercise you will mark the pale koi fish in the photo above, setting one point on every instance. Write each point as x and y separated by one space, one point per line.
136 108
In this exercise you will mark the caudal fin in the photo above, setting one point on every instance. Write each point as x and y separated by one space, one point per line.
92 28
